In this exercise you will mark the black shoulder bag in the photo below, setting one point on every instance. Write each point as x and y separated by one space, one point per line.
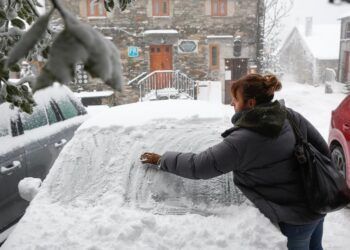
325 187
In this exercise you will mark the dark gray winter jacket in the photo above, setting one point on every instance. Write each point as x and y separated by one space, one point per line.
259 151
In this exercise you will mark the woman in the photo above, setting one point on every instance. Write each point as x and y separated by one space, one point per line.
259 150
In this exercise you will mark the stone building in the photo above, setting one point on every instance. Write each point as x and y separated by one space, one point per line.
309 50
207 40
344 54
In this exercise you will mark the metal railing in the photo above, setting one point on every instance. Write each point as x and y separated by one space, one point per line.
166 84
134 80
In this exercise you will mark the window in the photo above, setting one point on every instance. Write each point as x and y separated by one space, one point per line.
52 114
67 108
78 106
347 30
4 127
219 7
160 8
95 8
35 120
214 56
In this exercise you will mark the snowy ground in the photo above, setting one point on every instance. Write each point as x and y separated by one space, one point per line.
99 196
312 103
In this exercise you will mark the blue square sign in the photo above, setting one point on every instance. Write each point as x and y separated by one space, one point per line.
133 51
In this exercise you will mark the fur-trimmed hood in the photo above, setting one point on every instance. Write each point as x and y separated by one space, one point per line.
265 119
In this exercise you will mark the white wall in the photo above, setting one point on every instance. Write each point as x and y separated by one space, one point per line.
210 91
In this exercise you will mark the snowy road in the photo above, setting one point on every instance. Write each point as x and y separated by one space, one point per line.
99 196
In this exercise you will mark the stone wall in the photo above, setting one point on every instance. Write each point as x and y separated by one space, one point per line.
192 20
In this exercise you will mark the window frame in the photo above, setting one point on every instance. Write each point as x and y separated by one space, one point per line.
61 112
211 65
347 30
218 5
57 112
97 9
160 13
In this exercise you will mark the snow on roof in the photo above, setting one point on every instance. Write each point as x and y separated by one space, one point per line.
173 109
324 41
93 94
345 15
219 36
149 32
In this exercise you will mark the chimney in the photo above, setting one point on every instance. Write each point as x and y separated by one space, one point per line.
308 26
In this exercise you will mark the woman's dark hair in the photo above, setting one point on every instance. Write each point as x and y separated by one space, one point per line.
258 87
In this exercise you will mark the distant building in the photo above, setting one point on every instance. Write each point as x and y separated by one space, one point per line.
309 50
344 54
207 40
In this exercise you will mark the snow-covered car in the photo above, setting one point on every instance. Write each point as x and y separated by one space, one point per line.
98 195
31 143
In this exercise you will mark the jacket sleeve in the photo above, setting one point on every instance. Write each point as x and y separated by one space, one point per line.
316 139
217 160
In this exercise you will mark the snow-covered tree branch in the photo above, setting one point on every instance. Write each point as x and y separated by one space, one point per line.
76 43
275 11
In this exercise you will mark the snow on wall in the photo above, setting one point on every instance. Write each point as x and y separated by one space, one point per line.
93 94
148 32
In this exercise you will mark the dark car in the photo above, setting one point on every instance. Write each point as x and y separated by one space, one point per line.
339 137
29 144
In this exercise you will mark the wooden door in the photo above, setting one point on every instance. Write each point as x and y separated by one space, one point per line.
161 58
235 68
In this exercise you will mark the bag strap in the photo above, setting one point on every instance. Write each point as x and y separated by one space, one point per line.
298 135
299 151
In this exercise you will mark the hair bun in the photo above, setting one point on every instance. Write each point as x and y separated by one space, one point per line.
273 83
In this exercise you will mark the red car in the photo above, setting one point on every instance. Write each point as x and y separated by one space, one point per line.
339 137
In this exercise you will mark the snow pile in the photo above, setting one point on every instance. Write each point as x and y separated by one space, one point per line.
93 110
29 187
99 196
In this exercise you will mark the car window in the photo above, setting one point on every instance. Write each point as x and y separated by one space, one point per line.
35 120
79 106
67 108
51 116
4 127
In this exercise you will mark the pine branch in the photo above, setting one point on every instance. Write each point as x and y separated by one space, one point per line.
32 7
